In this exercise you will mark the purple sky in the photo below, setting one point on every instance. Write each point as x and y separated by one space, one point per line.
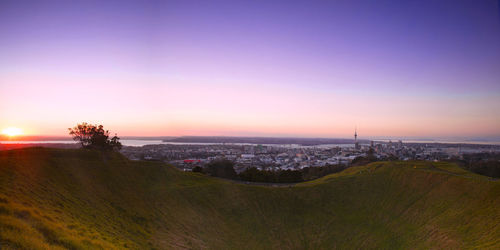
265 68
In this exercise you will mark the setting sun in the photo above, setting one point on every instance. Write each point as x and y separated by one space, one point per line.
12 131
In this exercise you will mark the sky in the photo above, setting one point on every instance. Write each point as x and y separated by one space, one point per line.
252 68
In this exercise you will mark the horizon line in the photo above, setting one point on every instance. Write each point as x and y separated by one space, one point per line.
379 137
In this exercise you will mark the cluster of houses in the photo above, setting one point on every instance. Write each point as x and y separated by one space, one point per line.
279 156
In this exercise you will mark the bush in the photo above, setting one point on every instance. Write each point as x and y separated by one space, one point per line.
221 168
197 169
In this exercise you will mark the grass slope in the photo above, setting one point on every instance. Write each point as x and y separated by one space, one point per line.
56 198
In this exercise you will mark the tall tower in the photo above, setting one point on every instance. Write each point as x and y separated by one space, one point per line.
356 144
355 134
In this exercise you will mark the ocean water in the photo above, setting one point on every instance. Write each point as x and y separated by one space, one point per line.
139 143
136 143
480 142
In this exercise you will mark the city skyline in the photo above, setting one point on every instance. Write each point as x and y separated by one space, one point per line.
275 68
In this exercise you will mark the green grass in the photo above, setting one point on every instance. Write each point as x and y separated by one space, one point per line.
76 199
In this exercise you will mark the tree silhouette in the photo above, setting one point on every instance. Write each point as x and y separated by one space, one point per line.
94 137
221 168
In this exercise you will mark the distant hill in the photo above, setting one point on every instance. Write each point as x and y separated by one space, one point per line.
77 199
262 140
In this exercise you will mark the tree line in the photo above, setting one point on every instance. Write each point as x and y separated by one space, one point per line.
225 169
487 164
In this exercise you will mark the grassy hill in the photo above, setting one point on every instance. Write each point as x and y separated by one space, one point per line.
63 198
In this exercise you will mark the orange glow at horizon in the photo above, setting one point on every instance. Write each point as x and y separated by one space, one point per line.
12 131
